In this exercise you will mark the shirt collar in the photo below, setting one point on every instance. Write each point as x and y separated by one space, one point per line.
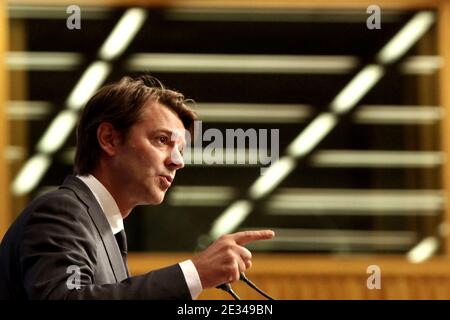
106 201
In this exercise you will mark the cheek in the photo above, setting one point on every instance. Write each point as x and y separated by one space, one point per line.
153 155
152 161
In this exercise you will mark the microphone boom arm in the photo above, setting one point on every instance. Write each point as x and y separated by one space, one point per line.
252 285
227 288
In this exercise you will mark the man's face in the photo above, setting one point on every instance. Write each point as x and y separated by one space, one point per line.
150 155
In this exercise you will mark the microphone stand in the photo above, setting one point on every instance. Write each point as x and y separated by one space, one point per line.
227 288
252 285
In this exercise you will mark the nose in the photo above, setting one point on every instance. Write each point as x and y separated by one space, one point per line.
176 160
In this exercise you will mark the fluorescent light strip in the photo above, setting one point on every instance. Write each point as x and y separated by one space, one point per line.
264 113
422 65
28 110
343 245
378 159
383 114
55 12
59 61
89 82
276 15
281 113
201 196
406 37
231 218
363 210
123 33
14 153
30 175
272 177
297 201
234 63
316 239
57 132
312 135
357 88
51 61
423 250
241 157
252 113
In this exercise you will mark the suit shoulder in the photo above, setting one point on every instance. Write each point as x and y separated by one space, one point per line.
59 203
57 212
58 197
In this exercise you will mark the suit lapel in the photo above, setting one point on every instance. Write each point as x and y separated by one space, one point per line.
101 223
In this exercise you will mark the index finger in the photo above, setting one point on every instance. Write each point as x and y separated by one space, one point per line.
245 237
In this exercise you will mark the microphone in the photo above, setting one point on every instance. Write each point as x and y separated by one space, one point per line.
253 286
227 288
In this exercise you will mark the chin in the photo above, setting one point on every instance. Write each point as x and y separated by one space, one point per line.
156 199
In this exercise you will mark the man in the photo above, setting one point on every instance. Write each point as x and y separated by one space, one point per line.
128 151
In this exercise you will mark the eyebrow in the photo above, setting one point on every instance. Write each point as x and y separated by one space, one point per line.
169 133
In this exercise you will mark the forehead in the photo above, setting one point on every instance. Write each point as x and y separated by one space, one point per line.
158 117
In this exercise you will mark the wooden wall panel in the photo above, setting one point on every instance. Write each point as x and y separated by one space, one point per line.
300 277
5 214
444 95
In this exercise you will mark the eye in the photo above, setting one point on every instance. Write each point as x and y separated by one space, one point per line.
163 139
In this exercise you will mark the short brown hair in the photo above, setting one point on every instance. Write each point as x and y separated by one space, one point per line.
121 104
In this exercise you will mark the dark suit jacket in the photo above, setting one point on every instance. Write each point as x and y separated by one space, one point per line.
64 228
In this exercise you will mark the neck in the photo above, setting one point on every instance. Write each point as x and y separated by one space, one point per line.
110 184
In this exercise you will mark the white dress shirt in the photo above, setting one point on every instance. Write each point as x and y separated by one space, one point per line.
112 213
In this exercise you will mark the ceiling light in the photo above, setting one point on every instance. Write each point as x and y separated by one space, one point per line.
423 250
231 218
406 37
30 174
57 132
122 34
312 135
357 88
89 82
272 176
48 61
241 63
378 159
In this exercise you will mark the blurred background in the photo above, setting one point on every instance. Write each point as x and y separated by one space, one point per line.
358 91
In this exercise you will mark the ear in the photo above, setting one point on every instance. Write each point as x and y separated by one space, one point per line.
108 138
